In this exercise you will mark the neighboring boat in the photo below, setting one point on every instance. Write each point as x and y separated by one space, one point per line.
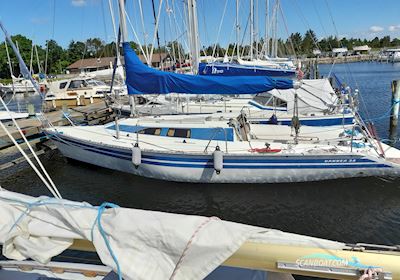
19 85
4 115
317 102
394 55
247 69
81 90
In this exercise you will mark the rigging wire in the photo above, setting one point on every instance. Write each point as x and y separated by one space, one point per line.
52 37
49 182
305 22
145 35
219 28
287 30
347 68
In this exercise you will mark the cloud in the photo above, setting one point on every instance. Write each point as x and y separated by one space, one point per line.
376 29
394 28
78 3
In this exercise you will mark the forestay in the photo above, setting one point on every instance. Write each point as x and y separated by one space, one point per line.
141 79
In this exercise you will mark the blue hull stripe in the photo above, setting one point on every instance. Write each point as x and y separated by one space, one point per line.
208 163
267 166
310 122
259 106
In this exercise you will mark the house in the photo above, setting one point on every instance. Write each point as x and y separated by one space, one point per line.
317 52
94 64
361 49
339 51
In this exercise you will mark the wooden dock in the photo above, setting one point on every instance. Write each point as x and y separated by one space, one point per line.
32 127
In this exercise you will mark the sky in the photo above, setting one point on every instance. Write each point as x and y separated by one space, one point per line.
66 20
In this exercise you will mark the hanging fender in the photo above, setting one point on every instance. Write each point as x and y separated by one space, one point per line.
218 160
136 155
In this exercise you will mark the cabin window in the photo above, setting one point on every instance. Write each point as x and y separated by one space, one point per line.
77 84
151 131
63 85
266 99
179 132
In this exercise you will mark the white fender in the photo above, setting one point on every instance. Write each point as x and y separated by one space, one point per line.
136 156
218 160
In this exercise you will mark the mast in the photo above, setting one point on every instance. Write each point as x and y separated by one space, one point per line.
124 38
9 59
193 34
251 28
157 35
275 47
122 23
256 29
119 63
31 61
37 60
237 29
266 37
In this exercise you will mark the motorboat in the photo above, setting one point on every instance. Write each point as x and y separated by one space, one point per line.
81 90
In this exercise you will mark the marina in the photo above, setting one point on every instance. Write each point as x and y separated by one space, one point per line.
270 159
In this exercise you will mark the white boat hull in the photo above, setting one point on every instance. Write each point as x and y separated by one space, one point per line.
4 115
199 168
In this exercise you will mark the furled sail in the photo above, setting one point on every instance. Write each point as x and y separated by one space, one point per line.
141 79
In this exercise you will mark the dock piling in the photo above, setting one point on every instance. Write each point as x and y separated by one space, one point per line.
31 109
394 116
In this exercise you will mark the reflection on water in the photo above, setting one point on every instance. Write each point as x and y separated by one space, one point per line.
19 102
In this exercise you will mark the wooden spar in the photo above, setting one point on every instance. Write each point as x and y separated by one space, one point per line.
264 256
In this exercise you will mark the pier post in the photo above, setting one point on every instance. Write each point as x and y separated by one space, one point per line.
394 115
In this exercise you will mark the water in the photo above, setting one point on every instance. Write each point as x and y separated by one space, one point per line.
374 82
353 210
19 102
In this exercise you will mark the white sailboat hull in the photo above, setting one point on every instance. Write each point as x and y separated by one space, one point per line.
199 168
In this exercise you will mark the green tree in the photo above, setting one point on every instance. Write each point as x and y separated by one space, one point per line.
54 55
296 40
75 51
385 42
309 41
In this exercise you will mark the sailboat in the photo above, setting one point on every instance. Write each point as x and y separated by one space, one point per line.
254 64
18 85
317 102
212 151
138 244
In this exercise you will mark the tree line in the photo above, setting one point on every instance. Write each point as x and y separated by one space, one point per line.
58 58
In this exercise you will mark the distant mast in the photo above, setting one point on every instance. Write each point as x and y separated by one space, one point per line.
237 30
193 35
266 37
251 28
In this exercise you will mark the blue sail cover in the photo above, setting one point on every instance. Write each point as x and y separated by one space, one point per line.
141 79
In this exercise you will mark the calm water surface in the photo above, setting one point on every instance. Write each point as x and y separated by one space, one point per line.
354 210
